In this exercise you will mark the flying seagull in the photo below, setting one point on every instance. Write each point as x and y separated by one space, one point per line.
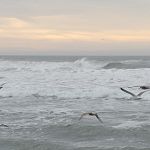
91 114
1 86
133 95
143 87
4 125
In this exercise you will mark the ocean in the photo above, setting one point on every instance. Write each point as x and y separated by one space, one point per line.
44 97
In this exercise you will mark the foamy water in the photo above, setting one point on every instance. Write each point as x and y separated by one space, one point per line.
42 101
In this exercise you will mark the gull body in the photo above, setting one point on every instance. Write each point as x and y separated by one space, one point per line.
91 114
145 87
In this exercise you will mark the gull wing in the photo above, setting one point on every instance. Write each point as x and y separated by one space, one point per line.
127 92
84 114
141 93
98 118
3 84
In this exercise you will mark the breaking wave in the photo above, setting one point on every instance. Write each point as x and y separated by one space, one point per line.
127 65
97 64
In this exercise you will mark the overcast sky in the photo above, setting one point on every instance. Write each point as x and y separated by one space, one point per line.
75 27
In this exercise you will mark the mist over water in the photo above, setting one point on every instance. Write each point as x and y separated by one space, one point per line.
44 97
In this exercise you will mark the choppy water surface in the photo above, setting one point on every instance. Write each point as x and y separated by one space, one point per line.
43 99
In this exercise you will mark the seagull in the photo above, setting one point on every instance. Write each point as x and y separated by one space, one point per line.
1 86
4 125
143 87
133 95
91 114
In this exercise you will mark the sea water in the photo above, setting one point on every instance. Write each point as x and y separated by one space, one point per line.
44 97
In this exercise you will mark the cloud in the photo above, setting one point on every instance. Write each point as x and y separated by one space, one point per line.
74 24
22 8
21 29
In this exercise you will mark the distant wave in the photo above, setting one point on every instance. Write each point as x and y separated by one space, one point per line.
78 64
95 64
89 63
129 65
37 95
8 69
113 65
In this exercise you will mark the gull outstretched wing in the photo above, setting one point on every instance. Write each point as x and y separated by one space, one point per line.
98 118
84 114
127 92
142 93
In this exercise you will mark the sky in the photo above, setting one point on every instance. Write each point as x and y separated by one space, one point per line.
74 27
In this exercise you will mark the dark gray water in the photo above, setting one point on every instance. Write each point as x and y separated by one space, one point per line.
72 58
44 97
